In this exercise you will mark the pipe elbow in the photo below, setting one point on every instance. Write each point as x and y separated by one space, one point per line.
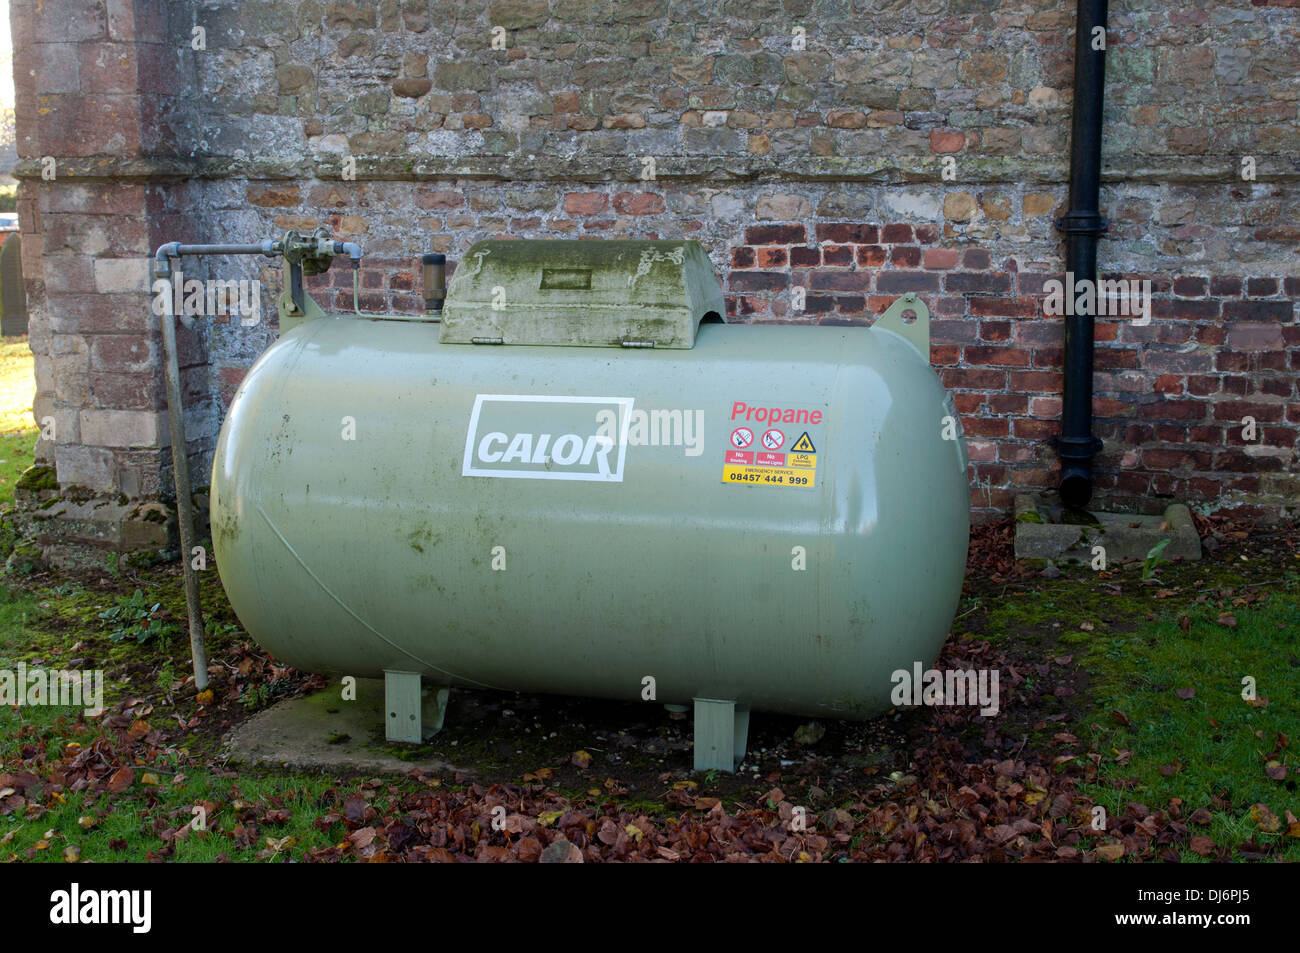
1076 484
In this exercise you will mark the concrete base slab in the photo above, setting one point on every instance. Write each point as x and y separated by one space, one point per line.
1124 536
322 732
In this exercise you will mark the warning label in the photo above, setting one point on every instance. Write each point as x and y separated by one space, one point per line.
769 476
775 464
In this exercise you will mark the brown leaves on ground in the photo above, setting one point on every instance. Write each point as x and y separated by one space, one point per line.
952 803
991 551
508 823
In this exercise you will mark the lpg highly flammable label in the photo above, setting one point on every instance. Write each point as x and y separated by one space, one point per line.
772 445
534 437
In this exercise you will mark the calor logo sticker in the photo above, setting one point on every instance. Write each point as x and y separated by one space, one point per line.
533 437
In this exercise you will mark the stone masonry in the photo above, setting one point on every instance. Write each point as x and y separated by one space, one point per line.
854 149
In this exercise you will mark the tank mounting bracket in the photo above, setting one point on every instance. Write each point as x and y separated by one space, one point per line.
721 734
916 329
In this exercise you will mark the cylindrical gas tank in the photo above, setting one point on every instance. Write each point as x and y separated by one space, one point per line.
776 515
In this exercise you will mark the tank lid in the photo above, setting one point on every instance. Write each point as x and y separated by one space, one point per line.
599 293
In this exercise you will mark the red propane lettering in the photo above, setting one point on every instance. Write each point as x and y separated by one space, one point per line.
775 415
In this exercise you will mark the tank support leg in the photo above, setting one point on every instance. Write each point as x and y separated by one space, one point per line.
412 714
402 706
721 734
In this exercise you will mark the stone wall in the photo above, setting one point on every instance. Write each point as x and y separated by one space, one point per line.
824 168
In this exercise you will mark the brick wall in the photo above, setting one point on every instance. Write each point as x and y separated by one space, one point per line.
821 168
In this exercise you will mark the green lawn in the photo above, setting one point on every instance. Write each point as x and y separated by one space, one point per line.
17 428
1171 694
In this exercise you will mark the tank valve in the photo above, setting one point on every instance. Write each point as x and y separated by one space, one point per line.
434 280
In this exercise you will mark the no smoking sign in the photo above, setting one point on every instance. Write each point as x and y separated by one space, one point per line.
742 437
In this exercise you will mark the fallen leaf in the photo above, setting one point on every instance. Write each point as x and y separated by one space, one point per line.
561 852
809 734
1201 846
122 779
1111 851
1186 693
580 759
354 808
1229 620
1266 820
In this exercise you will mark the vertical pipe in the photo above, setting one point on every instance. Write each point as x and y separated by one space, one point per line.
1082 224
184 498
433 281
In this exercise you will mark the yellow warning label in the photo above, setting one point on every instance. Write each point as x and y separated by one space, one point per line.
807 461
769 476
803 445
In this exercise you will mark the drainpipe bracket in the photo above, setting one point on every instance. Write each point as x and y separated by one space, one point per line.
1082 223
1075 448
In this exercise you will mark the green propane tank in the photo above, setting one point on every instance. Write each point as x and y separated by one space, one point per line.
581 481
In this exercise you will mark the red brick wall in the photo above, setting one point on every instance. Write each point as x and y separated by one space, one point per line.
1170 397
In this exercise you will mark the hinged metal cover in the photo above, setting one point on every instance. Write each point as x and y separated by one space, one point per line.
600 293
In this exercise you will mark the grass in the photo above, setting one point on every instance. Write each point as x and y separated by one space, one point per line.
17 385
18 431
116 827
1212 746
1139 645
49 632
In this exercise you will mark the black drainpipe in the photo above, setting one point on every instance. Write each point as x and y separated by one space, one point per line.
1081 225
